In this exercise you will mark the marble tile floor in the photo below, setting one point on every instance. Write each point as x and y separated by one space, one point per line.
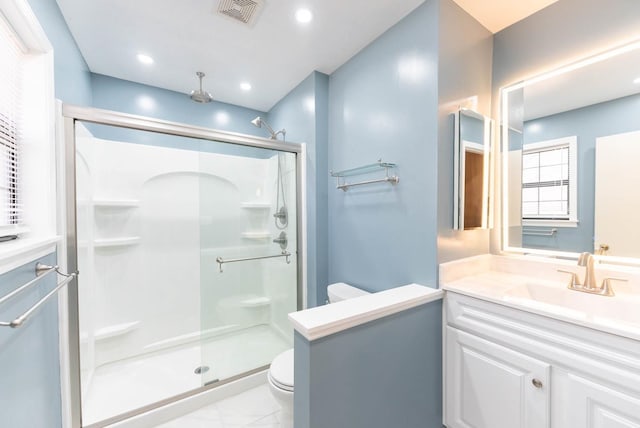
253 408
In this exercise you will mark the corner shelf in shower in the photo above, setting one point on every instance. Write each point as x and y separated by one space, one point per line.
115 330
256 205
258 236
116 203
116 242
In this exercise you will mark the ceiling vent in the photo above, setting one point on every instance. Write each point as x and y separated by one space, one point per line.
244 11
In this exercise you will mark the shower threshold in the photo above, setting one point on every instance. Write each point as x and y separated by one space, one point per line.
123 386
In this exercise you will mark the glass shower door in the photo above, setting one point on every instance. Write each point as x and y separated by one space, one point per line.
249 260
158 316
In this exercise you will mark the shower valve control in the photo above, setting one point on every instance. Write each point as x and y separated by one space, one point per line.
282 240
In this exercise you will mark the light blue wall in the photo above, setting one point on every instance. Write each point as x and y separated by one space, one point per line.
383 104
559 34
588 123
303 113
29 355
72 76
386 373
464 73
128 97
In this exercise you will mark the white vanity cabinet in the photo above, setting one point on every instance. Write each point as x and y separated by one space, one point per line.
493 386
508 368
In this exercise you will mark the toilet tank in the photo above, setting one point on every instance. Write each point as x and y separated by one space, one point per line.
341 291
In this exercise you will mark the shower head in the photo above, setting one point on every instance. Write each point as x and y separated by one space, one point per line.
198 95
259 122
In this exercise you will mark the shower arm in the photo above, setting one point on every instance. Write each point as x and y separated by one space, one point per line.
274 134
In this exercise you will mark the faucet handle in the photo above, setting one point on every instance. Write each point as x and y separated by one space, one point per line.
606 289
574 281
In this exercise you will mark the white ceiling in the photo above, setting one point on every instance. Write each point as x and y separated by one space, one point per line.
274 55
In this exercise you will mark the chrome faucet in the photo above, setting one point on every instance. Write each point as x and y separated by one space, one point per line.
589 285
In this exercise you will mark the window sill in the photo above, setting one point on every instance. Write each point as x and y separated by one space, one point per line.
550 223
21 251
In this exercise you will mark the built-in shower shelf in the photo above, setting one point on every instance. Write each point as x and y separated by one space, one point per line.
259 236
116 203
255 302
115 330
256 205
116 242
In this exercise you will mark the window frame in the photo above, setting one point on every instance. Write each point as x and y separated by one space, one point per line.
572 143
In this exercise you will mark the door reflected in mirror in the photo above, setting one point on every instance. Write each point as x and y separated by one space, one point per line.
472 170
571 145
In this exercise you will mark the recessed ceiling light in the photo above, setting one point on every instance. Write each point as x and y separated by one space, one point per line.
145 59
636 80
304 16
245 86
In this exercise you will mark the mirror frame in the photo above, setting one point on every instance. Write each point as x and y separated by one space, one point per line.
504 146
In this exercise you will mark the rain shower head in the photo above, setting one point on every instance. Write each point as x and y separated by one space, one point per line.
259 122
198 95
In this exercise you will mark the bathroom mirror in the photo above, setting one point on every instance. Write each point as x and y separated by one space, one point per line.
472 167
571 148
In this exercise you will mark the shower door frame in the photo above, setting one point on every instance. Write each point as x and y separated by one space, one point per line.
71 114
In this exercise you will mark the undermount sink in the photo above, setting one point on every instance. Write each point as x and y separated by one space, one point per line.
558 299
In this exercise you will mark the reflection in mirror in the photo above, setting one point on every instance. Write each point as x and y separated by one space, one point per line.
472 156
570 150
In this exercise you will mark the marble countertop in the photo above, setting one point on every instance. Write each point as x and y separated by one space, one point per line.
536 286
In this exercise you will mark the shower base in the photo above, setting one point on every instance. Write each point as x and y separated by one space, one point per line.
130 384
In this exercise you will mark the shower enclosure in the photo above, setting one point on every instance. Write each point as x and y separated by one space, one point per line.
188 243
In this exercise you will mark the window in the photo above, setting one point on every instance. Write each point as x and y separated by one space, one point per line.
10 202
549 183
27 138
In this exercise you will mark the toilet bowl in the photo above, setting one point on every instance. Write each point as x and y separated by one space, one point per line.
280 374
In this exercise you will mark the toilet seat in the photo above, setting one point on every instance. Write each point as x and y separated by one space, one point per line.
281 371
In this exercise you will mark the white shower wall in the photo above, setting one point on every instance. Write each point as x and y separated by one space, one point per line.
151 222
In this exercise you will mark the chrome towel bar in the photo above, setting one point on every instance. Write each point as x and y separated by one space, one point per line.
222 261
393 180
365 169
42 270
549 232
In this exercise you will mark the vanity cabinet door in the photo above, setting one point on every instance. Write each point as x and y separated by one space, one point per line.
490 386
593 405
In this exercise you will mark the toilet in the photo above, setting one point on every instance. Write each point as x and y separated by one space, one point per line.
280 374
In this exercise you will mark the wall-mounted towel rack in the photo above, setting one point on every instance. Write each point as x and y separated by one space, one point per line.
540 232
365 169
41 271
222 261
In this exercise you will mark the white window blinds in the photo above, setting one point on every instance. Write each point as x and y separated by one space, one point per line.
11 56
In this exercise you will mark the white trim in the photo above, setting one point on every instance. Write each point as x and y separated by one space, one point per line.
303 221
555 223
322 321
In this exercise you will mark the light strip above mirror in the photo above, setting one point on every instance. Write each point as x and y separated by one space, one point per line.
505 93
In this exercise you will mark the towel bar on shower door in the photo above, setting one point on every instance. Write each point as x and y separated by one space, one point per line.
222 261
